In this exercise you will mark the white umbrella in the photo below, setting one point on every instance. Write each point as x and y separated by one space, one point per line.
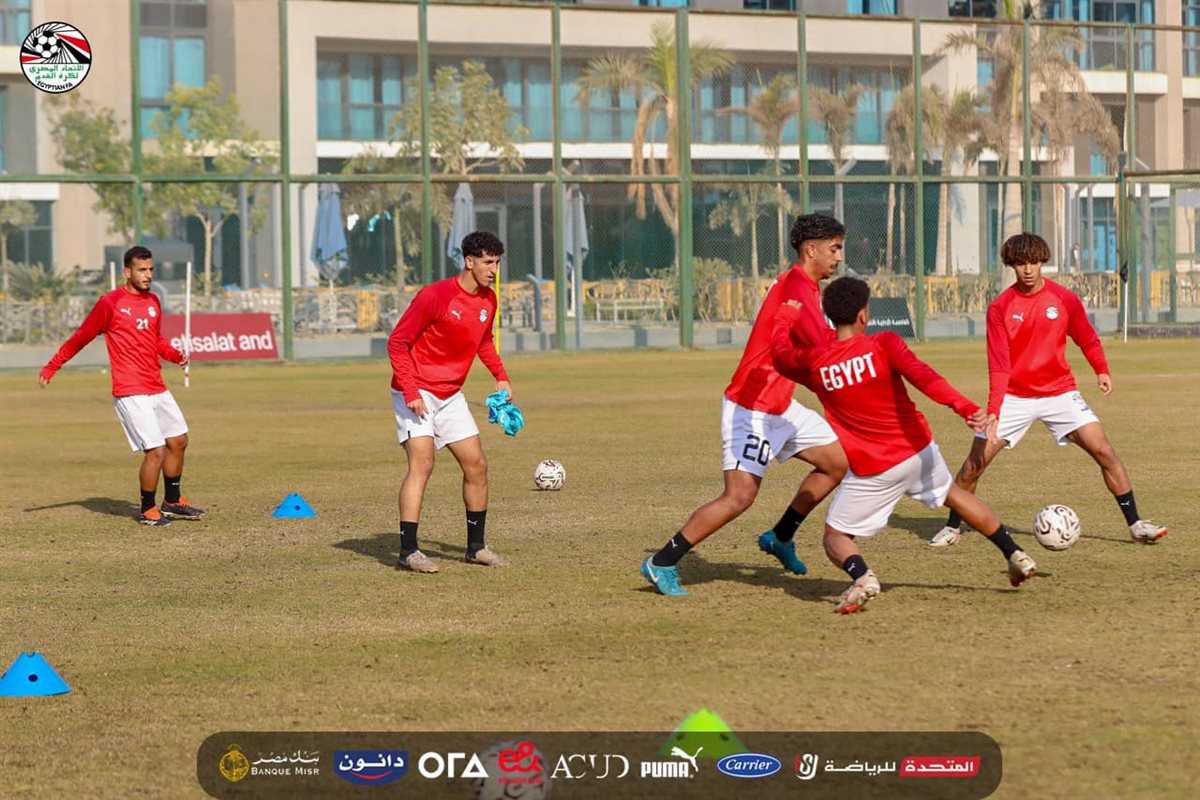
461 224
575 242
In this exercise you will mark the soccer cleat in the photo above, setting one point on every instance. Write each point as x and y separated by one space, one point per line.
1147 532
484 557
946 537
784 551
1020 567
665 579
858 595
152 516
182 510
416 561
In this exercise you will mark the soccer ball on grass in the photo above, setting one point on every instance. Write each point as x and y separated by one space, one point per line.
1056 527
549 475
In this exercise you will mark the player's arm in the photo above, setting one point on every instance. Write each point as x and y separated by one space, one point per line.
416 318
796 339
1085 337
491 359
924 377
999 358
169 353
93 325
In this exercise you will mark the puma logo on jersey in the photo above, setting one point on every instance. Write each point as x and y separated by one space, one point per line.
457 314
126 312
1019 317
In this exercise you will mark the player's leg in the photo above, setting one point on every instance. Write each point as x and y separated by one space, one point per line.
469 454
152 461
806 435
972 469
980 516
842 550
144 434
1095 442
175 431
416 436
860 507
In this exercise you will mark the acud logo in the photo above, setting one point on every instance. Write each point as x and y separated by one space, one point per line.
673 769
450 765
749 765
591 765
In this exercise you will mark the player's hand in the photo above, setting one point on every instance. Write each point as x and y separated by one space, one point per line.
418 407
993 422
1104 381
184 360
978 421
505 386
43 381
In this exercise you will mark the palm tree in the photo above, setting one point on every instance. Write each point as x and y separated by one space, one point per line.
771 109
835 112
652 75
900 140
1051 68
960 133
741 211
14 215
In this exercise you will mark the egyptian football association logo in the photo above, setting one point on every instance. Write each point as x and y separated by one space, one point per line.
233 764
56 57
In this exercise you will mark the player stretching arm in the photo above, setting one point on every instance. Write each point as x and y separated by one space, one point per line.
1030 380
860 382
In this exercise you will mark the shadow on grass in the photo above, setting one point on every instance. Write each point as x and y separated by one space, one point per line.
924 528
385 548
97 505
695 569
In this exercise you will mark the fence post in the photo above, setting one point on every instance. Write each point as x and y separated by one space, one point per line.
1027 161
802 77
683 208
557 205
919 186
1132 251
428 244
1173 256
285 188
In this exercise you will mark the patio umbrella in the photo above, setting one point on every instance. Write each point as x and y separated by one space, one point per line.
461 224
329 250
575 242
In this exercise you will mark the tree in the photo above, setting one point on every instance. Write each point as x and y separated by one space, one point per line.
900 140
652 75
741 211
958 134
202 131
89 141
1052 69
14 215
835 112
466 110
771 108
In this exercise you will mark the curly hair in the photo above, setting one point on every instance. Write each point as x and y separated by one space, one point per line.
1024 248
478 243
844 298
815 227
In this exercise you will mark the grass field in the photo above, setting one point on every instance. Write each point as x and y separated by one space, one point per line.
1085 676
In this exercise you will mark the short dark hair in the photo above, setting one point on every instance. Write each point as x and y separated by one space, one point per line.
815 227
844 298
1024 248
480 242
137 253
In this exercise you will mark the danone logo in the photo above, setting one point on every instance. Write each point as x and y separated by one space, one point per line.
749 765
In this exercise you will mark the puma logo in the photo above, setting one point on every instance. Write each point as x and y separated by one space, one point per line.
1019 317
679 753
457 314
126 312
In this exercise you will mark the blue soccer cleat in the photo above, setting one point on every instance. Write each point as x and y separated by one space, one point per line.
784 551
665 579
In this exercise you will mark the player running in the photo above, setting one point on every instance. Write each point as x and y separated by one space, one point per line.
432 348
1029 380
860 382
129 318
760 420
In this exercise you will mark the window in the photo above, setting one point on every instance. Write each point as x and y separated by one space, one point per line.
661 3
358 94
769 5
33 244
14 21
973 8
871 6
2 129
879 88
172 50
1104 48
1191 39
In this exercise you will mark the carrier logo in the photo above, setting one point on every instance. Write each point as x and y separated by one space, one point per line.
749 765
672 769
370 767
55 57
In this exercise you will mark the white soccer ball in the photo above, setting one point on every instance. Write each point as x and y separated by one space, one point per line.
1056 527
549 475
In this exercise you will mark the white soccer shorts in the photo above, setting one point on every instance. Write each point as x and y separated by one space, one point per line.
1062 414
750 439
149 419
447 421
862 505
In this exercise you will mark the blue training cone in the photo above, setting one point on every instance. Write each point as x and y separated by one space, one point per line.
294 507
31 675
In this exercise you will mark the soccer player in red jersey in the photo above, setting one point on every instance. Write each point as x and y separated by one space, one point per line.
432 349
129 318
860 382
760 420
1029 380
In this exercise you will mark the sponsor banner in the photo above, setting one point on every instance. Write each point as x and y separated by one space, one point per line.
224 336
891 314
533 765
